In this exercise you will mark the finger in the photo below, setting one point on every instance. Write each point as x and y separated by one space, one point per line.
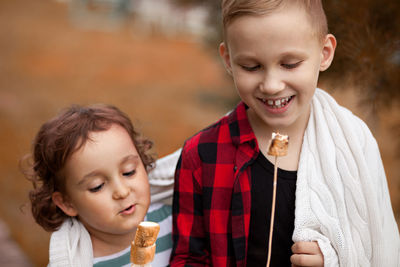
307 260
306 248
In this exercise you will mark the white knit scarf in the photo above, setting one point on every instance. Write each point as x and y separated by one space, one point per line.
71 246
342 198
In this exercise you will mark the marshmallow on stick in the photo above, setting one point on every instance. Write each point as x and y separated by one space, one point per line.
143 247
278 147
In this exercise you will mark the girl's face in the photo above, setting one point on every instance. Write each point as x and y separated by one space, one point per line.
275 61
106 184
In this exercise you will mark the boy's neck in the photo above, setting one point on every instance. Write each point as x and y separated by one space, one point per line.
295 132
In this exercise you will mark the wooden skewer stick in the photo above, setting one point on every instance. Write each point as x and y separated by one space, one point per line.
271 227
278 147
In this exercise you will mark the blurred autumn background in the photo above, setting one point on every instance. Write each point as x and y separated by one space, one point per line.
157 60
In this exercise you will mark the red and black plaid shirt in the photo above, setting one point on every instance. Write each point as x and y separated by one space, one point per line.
211 207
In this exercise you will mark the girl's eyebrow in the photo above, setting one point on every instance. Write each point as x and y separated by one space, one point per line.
94 173
130 157
89 175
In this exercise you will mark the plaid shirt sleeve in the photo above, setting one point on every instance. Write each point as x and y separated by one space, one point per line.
191 246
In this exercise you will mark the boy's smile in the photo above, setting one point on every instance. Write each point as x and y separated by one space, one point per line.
278 105
275 60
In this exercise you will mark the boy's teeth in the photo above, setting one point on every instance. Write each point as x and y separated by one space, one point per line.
278 103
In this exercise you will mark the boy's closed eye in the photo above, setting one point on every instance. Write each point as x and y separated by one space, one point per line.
250 68
291 65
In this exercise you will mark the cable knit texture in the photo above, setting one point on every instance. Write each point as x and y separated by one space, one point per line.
70 246
342 197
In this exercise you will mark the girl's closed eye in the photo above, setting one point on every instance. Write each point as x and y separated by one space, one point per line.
96 188
129 173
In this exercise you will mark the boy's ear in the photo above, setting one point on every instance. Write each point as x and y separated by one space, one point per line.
224 53
66 206
328 51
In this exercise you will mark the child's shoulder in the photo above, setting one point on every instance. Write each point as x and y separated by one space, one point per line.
210 134
345 118
222 128
158 212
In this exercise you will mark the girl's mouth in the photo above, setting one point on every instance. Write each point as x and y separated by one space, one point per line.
129 210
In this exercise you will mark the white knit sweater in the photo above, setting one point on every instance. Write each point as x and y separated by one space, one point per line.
342 197
70 246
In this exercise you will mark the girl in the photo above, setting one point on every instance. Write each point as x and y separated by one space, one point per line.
91 188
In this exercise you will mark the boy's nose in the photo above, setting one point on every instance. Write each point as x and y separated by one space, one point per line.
121 190
271 83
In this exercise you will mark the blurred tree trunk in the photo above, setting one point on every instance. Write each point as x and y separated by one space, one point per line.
368 34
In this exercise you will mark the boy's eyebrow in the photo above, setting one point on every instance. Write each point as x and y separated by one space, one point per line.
284 55
96 172
291 54
243 57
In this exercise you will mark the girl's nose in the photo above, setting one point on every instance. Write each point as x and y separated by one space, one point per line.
271 83
121 190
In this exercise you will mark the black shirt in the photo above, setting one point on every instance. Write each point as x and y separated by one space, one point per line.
262 175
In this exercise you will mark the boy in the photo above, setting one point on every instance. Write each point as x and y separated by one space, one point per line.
332 197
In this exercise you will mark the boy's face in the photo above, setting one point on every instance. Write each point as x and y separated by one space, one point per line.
275 61
106 184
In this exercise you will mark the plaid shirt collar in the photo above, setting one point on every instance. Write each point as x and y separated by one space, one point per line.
239 126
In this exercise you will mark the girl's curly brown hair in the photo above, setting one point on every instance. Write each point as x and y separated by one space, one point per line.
57 140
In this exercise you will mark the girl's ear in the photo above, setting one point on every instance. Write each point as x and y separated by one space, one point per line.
224 53
66 206
328 51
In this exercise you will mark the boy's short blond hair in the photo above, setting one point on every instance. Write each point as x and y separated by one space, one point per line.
232 9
